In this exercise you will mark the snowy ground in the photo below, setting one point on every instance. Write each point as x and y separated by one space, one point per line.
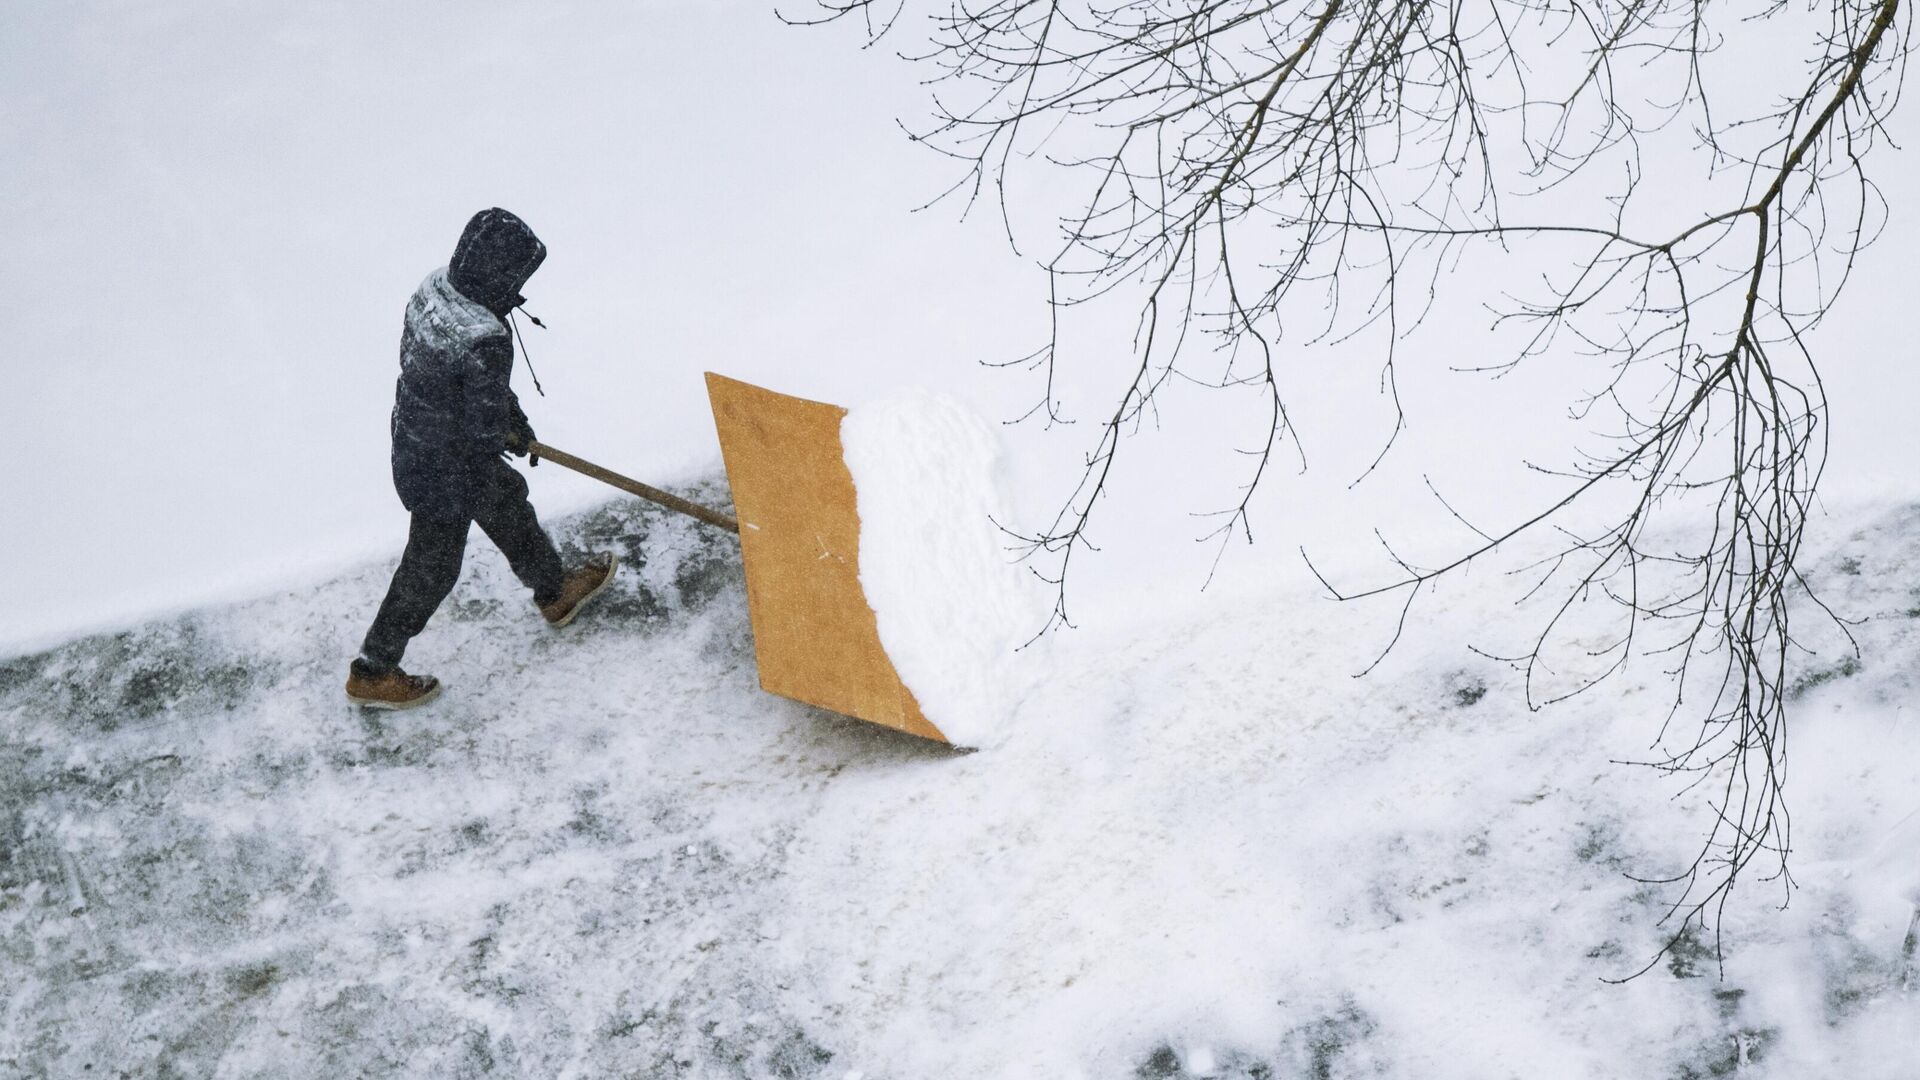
1203 850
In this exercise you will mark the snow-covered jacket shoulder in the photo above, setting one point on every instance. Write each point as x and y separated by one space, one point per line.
452 406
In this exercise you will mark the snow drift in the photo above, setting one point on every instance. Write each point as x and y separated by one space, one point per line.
1199 849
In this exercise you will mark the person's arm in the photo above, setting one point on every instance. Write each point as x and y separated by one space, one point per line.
487 405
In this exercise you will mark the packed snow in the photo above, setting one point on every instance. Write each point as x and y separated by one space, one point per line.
929 481
1200 848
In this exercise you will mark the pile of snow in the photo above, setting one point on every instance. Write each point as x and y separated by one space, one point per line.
1201 849
930 483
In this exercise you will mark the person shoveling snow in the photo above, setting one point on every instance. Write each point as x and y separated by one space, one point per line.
927 482
455 418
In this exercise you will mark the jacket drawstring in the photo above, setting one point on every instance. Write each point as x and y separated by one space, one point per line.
515 324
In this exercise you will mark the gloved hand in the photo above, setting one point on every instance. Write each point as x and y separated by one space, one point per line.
520 436
520 446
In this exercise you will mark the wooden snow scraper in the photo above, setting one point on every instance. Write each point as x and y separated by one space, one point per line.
815 638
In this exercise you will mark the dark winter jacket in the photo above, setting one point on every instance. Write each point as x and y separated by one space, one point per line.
453 408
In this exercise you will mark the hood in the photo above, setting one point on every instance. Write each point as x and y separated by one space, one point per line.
494 258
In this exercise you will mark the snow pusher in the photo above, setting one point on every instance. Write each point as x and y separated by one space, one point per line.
815 637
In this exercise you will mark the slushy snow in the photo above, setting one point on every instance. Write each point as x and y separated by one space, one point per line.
930 486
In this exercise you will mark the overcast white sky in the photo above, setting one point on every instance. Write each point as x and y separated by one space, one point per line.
214 213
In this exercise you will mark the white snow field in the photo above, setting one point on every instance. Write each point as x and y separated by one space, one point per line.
1201 848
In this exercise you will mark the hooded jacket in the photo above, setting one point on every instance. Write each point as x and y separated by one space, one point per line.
453 406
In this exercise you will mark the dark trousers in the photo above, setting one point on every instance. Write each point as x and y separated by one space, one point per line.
435 548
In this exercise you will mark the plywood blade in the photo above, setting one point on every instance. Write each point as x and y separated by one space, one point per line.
814 634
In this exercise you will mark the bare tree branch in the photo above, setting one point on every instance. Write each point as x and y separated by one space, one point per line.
1260 167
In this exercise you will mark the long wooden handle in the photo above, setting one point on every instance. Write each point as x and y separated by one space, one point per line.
634 487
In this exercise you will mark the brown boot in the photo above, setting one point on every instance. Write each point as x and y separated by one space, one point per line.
580 586
393 689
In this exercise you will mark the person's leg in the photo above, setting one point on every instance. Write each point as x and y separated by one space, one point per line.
507 518
427 573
